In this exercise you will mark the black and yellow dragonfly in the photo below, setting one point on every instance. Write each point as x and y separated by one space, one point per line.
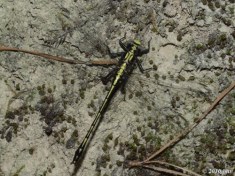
127 63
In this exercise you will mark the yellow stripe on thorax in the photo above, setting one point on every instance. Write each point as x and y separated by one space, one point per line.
128 57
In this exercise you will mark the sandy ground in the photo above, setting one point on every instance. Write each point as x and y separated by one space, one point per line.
47 107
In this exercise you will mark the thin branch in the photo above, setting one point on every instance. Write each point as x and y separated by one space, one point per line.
172 165
59 58
177 139
169 171
188 129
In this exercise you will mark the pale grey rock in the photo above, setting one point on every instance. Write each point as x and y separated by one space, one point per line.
200 23
157 106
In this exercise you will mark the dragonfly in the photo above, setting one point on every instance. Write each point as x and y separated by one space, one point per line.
170 94
128 61
163 101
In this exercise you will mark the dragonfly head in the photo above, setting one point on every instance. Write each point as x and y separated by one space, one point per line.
137 42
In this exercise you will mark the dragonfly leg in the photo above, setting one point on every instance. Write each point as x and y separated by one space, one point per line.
114 55
142 70
122 45
145 51
109 76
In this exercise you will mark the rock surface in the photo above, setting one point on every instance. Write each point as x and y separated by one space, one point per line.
47 107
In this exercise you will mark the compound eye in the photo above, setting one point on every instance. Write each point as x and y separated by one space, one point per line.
137 42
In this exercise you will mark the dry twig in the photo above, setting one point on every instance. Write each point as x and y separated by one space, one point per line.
178 138
146 162
60 59
191 127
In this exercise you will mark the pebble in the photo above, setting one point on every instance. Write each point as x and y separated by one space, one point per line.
200 23
191 21
70 143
